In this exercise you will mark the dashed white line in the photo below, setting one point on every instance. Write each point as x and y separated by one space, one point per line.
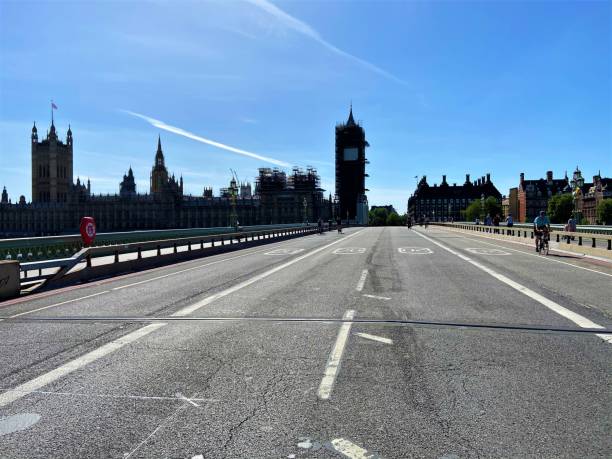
349 449
375 338
562 311
376 297
362 280
53 375
206 301
335 357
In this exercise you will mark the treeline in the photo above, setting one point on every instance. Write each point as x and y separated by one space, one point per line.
382 217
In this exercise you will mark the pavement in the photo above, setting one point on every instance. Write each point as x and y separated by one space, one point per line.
378 342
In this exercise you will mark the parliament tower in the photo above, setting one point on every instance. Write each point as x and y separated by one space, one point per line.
51 166
350 171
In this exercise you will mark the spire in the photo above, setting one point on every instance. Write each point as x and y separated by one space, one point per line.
69 130
159 156
34 130
351 120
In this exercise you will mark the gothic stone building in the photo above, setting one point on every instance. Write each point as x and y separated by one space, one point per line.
58 204
443 202
350 171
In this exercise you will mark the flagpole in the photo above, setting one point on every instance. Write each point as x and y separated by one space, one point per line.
51 111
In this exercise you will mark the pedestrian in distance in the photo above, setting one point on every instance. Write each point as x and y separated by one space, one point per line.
509 221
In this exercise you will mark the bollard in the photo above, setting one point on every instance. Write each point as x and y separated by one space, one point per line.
87 259
139 253
158 250
609 244
593 244
579 240
212 242
116 256
189 246
201 244
222 241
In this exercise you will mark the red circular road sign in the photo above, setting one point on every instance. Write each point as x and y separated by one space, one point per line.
88 230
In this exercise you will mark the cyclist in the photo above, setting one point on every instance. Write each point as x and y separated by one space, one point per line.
541 224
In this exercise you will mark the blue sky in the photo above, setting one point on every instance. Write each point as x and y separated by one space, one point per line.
442 87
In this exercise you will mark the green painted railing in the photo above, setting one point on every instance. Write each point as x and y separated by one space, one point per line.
52 247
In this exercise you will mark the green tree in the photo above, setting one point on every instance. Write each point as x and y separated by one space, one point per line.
604 212
473 211
393 219
378 217
560 208
492 207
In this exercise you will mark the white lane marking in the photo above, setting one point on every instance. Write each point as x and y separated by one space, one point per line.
540 257
349 250
350 449
486 251
579 320
284 252
375 338
376 297
56 304
111 396
53 375
362 280
188 400
333 362
174 273
415 250
206 301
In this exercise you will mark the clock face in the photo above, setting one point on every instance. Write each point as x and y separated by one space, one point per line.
351 154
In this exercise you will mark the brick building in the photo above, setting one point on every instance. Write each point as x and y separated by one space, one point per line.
533 195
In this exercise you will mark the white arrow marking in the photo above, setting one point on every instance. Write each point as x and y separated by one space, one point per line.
375 338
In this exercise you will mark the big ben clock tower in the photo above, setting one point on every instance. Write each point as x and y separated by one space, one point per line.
350 171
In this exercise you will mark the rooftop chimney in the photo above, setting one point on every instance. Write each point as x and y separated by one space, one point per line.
467 178
488 178
549 176
479 181
444 179
522 177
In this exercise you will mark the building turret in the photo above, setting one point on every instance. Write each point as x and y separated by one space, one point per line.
159 155
69 137
34 133
4 197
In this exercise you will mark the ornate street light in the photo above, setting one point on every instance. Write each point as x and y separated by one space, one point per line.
577 183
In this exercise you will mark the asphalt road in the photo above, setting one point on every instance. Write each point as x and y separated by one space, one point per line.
380 342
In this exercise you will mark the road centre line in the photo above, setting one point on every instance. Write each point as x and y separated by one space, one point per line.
206 301
376 297
375 338
351 450
63 370
362 280
562 311
333 362
526 253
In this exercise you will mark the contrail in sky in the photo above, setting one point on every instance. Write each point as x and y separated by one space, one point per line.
305 29
175 130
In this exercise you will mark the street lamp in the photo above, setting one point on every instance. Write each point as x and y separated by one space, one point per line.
482 202
305 204
577 183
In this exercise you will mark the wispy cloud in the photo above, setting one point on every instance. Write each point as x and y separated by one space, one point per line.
176 130
305 29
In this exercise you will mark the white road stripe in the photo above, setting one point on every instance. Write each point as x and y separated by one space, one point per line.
333 362
57 304
562 311
53 375
350 449
362 280
375 338
376 297
540 257
206 301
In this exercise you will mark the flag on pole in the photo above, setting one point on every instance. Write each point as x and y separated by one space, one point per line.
53 105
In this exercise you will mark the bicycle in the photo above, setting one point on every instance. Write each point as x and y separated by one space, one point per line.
543 245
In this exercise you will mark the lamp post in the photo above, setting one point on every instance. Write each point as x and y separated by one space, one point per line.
482 206
577 183
305 204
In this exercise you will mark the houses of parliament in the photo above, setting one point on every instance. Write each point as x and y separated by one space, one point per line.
58 203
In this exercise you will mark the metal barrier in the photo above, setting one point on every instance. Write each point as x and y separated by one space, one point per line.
192 243
526 231
591 229
53 247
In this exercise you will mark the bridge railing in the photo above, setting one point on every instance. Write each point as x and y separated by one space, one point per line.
526 231
591 229
33 272
54 247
